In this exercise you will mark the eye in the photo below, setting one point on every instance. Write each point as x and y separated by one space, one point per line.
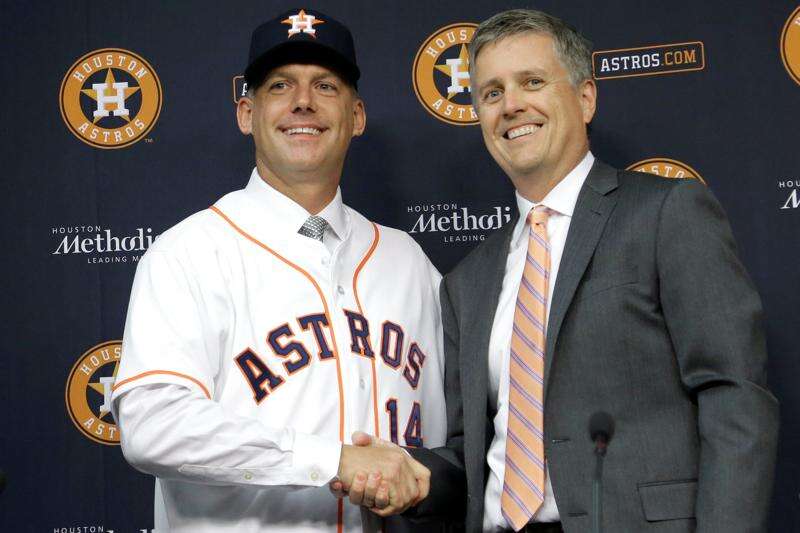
326 86
492 95
278 86
534 83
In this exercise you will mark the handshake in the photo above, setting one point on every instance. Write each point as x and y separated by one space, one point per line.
380 475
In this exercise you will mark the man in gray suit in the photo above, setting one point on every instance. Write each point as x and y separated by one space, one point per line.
650 317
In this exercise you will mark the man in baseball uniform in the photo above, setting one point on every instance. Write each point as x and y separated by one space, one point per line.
263 331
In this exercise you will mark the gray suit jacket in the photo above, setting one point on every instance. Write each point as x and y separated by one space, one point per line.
653 320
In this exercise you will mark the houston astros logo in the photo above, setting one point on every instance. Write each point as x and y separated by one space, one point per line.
441 74
88 393
667 168
110 98
790 45
302 23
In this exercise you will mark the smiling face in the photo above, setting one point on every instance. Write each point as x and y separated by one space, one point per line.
302 119
532 118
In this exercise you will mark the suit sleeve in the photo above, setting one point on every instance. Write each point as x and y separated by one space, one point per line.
448 481
714 316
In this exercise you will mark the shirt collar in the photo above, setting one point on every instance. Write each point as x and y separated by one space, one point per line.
562 198
291 215
335 215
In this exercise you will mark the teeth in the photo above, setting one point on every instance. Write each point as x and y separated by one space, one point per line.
523 130
310 131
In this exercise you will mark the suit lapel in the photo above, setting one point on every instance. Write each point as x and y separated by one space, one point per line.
594 205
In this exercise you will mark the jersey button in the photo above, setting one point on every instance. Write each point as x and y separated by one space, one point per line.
362 383
248 476
314 475
325 261
340 290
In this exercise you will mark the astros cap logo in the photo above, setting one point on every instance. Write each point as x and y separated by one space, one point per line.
88 393
302 23
790 45
666 168
441 74
110 98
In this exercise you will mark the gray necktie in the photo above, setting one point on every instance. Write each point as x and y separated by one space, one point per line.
314 227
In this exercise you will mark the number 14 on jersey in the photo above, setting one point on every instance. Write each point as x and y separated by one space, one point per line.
413 432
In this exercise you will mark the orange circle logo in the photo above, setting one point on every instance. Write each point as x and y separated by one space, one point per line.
790 45
110 98
666 168
88 393
441 74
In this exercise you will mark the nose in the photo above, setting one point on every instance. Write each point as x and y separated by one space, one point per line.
303 99
513 102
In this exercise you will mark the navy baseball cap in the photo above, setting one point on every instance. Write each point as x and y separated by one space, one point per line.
301 36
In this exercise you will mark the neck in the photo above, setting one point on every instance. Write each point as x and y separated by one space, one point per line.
533 188
537 184
312 194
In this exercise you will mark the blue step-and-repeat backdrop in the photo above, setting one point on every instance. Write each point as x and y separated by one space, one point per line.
709 90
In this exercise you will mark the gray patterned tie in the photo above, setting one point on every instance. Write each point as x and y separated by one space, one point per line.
314 227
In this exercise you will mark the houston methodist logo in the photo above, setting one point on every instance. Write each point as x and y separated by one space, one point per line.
667 168
441 74
88 393
110 98
302 23
790 45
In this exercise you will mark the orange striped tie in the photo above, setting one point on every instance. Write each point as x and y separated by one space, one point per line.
523 486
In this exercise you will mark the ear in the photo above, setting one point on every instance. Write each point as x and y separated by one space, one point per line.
587 92
244 115
359 117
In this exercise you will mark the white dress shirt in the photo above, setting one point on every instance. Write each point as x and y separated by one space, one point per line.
561 203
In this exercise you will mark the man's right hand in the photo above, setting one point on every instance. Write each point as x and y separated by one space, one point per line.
381 475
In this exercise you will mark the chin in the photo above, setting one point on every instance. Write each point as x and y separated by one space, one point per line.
524 167
306 165
304 158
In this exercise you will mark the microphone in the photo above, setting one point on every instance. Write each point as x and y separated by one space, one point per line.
601 429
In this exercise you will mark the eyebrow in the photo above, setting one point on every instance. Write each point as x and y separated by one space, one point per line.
521 74
284 73
328 75
487 83
277 73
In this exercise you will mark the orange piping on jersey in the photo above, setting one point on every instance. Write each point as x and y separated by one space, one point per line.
321 297
375 399
168 372
361 310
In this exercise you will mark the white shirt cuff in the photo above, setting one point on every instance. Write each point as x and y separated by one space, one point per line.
315 460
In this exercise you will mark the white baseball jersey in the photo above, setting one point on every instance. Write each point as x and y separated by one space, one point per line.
252 352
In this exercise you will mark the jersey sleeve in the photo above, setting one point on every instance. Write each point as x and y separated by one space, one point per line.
176 433
175 324
164 399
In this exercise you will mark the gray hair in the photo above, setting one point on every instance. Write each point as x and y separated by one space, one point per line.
572 48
